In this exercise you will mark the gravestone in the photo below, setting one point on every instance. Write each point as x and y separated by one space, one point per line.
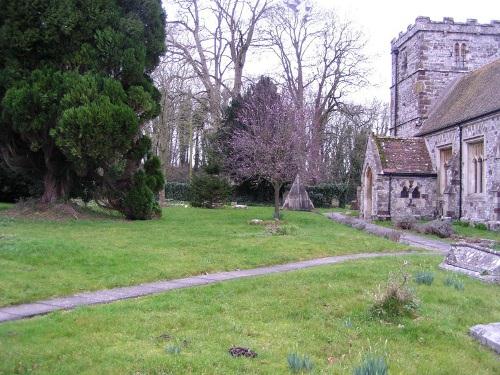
487 334
297 198
476 261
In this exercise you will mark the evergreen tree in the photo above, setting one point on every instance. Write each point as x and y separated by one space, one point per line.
75 91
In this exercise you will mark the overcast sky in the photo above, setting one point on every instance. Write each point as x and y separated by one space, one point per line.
382 20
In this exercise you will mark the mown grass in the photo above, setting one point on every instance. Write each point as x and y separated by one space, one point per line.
321 313
40 259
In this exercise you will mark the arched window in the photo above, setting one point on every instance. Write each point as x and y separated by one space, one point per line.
463 55
480 174
404 192
457 54
475 167
474 162
415 193
404 63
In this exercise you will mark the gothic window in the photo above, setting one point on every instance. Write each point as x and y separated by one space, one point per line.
475 167
463 55
404 192
415 194
460 54
445 155
457 54
404 63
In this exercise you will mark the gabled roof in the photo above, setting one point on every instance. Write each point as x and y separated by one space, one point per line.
468 97
404 155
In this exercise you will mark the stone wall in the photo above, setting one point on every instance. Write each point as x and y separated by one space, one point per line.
475 207
427 52
424 207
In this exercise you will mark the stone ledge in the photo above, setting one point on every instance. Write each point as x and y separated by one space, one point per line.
487 334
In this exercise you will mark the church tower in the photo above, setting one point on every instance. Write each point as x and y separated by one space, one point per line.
427 58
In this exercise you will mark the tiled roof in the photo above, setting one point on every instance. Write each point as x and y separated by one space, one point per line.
404 155
468 97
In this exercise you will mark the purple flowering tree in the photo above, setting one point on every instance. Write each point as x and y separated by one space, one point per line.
271 143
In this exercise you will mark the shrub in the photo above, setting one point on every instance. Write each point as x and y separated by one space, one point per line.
372 365
173 349
297 363
405 222
455 283
480 226
438 227
139 203
178 191
209 191
322 194
464 224
424 277
396 300
276 229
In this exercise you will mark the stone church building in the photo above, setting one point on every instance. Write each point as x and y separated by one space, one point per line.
443 156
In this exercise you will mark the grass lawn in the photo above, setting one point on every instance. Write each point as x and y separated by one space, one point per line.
40 259
320 312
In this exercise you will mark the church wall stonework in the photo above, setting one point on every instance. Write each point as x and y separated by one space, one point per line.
475 207
424 59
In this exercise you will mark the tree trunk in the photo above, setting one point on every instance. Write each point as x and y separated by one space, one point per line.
54 189
277 188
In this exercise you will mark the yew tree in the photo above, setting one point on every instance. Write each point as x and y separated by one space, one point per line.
270 143
75 92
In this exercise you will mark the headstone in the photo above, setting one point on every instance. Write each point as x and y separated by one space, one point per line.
335 203
297 198
476 261
487 334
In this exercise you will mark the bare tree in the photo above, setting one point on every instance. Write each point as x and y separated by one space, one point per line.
214 37
322 62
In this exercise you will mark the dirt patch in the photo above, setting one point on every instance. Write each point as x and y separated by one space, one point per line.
62 211
242 352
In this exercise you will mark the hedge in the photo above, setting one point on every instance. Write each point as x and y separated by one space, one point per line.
178 191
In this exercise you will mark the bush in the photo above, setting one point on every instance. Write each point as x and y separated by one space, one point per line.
297 363
321 195
276 229
480 226
396 300
178 191
139 203
464 224
209 191
405 222
438 227
372 365
424 277
454 283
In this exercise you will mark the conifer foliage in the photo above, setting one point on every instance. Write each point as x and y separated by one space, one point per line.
75 92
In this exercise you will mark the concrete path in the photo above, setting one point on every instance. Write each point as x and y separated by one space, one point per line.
109 295
398 235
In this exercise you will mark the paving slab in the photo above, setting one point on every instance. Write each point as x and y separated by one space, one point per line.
487 334
4 317
116 294
29 309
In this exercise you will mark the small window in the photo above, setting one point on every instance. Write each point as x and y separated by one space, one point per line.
415 194
404 192
475 167
463 55
445 155
460 54
404 63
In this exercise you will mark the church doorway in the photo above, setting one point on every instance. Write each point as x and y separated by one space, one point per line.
367 209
